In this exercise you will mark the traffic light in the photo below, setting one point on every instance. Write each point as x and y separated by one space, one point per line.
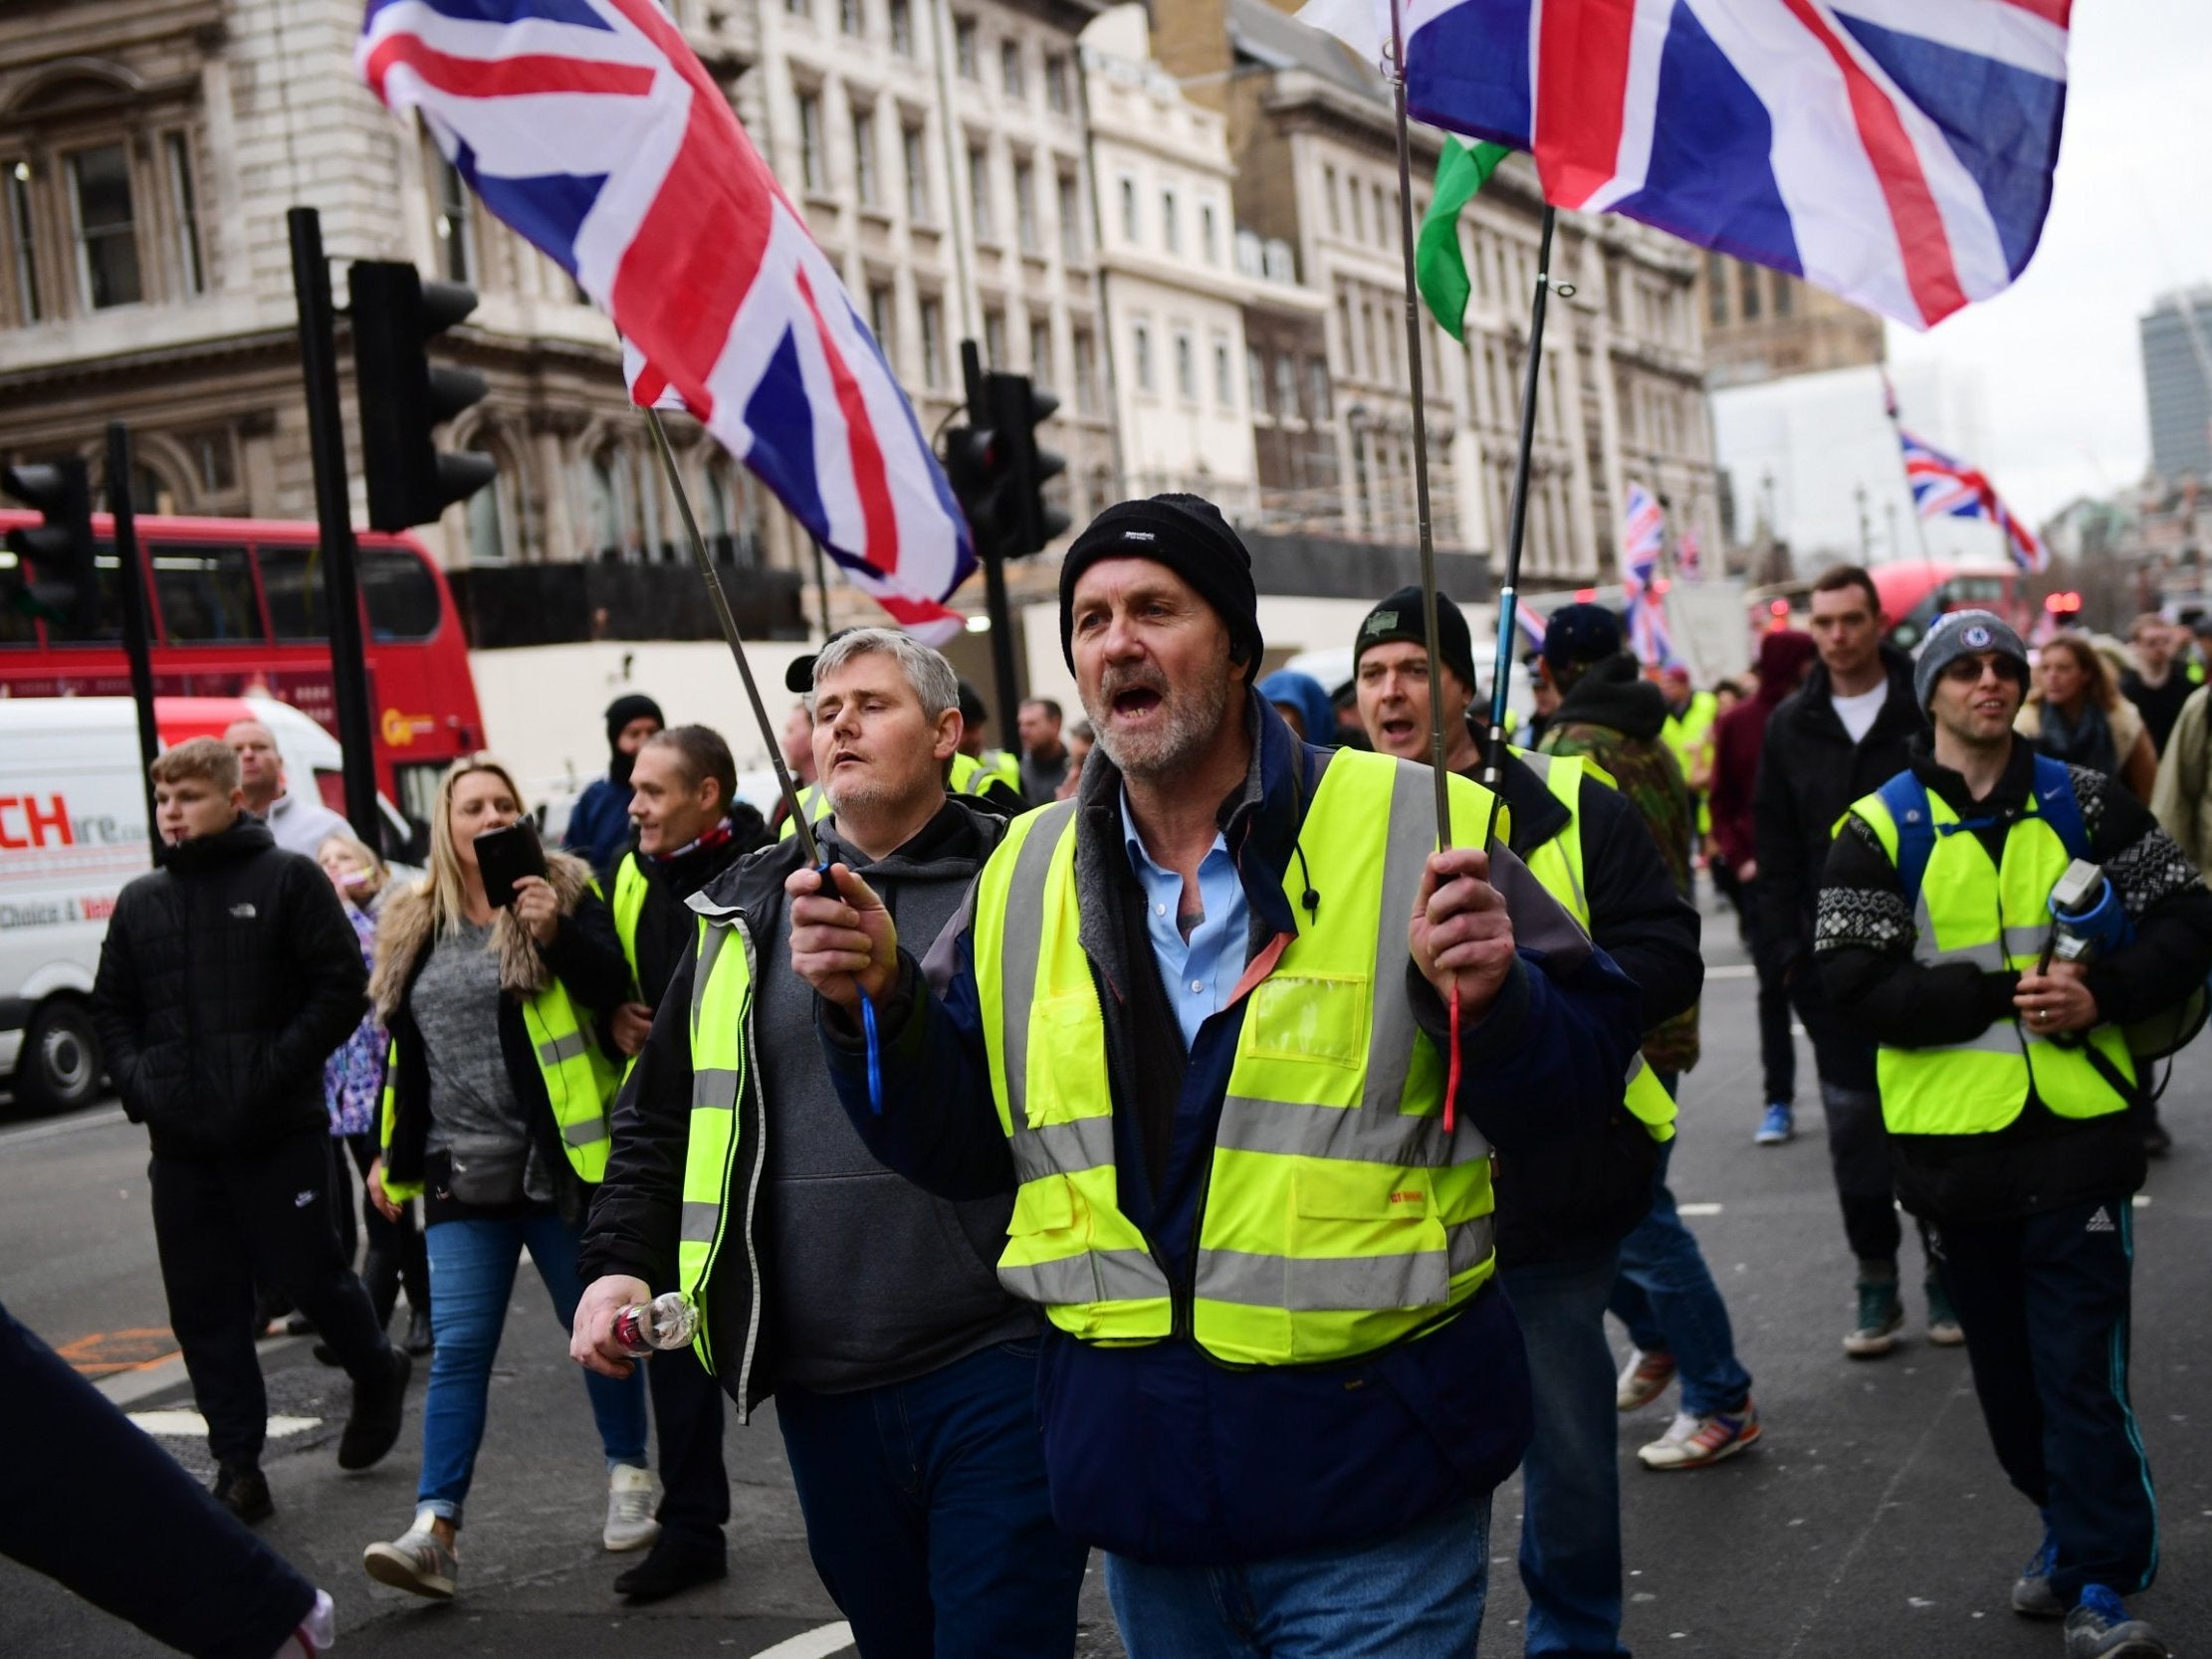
1017 409
62 583
976 463
396 314
2063 604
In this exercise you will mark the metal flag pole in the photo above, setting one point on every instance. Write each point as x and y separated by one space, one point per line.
799 826
1508 598
1420 433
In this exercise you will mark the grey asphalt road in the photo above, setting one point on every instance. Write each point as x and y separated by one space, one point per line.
1872 1521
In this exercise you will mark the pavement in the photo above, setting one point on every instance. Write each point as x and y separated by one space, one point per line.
1872 1519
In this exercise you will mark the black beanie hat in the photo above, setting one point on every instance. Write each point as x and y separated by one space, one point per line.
632 705
1189 536
1399 618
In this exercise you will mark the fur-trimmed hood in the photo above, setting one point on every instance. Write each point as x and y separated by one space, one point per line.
404 927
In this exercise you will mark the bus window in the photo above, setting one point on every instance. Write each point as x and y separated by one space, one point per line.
64 630
291 581
206 595
402 598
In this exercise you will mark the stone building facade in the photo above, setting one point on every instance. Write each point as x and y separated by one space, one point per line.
1763 324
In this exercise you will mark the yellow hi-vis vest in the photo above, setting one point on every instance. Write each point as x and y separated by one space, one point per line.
628 904
722 1057
1337 1218
1995 916
813 802
1558 865
580 1081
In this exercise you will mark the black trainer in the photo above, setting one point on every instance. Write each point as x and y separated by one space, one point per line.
245 1493
2100 1628
373 1427
673 1566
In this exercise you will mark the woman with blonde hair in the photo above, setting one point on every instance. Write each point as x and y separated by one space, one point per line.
2075 714
352 1088
495 1113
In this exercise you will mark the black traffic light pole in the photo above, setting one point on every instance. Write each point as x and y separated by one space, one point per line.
131 584
993 556
311 281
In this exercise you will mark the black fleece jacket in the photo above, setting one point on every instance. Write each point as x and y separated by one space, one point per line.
1810 771
1866 944
226 978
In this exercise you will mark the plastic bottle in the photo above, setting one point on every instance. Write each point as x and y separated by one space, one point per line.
669 1321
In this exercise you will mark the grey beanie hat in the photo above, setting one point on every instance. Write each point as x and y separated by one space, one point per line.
1959 634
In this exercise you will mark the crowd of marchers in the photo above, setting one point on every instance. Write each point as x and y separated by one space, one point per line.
1145 1140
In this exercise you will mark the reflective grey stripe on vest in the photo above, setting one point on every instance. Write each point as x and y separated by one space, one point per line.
1358 1134
1018 951
589 1133
555 1050
1063 1148
703 970
1991 956
714 1089
1093 1276
1344 1283
1393 1031
696 1222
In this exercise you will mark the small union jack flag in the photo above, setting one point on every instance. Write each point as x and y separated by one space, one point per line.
1945 486
1643 540
592 130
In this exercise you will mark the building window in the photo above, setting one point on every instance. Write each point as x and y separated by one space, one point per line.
24 247
1716 288
1057 95
1086 372
864 156
1256 381
880 321
1140 352
1209 234
1224 377
851 18
456 231
1170 223
963 48
916 155
1785 298
1040 350
994 340
1025 207
177 150
1359 211
1328 195
1317 387
1131 231
1747 293
1286 384
979 192
814 167
933 341
106 234
1071 219
1382 225
1010 78
1186 367
902 27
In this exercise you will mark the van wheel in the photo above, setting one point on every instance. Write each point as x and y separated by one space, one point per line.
58 1069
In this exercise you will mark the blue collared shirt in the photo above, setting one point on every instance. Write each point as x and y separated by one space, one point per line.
1198 972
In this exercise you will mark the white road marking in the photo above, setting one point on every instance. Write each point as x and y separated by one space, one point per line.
1732 971
819 1643
2141 1200
1697 1209
190 1426
61 1126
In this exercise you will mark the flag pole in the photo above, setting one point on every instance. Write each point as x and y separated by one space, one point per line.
799 826
1493 756
1421 431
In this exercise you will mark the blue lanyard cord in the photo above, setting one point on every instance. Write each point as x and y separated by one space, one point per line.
867 1023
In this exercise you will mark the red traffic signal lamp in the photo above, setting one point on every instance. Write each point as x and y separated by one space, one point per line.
403 397
63 581
2067 603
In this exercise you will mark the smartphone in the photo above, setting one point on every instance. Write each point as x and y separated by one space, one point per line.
507 855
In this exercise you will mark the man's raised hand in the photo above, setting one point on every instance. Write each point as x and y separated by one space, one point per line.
843 943
1461 934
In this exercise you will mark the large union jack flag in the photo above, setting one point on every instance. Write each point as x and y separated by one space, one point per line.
1945 486
1898 152
592 129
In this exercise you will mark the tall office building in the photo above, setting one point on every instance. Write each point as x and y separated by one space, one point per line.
2177 383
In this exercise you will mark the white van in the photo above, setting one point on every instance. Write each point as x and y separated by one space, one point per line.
73 831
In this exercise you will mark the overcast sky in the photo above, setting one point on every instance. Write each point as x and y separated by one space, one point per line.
2131 218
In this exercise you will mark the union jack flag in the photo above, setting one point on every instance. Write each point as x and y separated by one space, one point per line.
1530 624
1942 486
594 130
1643 540
1898 152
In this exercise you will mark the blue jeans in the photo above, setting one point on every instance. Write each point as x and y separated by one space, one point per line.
1570 1479
472 1276
927 1511
1417 1594
1667 1297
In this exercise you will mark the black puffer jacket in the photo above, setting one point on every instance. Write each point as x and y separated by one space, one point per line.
227 977
1810 771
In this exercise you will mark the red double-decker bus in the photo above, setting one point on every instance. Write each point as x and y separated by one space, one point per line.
238 609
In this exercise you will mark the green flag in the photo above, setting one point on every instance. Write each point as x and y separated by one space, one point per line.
1442 272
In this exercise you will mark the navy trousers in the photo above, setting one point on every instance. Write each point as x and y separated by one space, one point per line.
688 1407
927 1511
2044 1303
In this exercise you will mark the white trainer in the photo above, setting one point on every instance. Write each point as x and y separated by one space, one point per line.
415 1561
631 1502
